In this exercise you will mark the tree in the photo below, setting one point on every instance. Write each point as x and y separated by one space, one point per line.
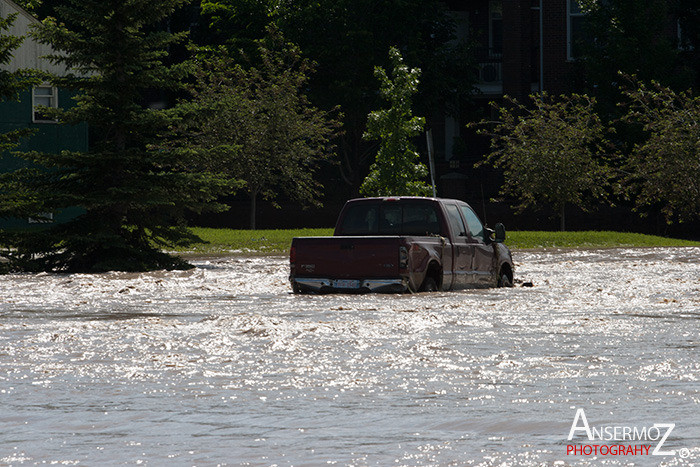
11 82
237 24
346 39
360 33
552 152
257 124
29 5
664 169
631 37
133 196
396 170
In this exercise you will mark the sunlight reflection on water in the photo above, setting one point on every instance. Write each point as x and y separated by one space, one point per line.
222 364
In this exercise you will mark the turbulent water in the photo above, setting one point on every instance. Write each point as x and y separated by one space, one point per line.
223 365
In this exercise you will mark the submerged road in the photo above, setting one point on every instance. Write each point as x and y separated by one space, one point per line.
223 365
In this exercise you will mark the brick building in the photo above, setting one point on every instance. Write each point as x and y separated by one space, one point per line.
523 46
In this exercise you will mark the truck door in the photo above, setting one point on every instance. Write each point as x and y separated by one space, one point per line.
462 249
483 255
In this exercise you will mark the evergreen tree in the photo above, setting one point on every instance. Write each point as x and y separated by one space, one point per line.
396 170
133 196
11 82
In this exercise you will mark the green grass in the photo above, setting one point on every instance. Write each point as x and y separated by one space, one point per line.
589 239
226 241
249 241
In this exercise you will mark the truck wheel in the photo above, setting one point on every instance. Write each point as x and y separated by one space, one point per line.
429 285
504 280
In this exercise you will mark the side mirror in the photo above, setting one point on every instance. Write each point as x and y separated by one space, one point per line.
500 230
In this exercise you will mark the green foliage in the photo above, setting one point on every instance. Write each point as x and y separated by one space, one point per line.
396 170
237 24
665 168
8 43
11 82
631 37
29 5
133 195
257 124
550 153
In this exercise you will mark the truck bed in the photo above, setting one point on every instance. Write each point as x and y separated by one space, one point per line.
336 263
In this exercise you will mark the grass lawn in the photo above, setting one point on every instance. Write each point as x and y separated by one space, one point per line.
589 239
223 241
249 241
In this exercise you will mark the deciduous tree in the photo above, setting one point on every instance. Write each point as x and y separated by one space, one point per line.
258 125
552 152
664 169
396 170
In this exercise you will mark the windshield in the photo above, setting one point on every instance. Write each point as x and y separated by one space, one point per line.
391 218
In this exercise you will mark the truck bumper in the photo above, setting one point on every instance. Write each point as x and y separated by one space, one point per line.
321 285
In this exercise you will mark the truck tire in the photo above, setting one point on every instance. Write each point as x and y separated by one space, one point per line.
504 280
429 285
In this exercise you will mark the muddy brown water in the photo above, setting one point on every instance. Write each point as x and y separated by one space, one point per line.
223 365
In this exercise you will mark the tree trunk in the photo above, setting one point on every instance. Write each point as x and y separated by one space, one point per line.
563 217
253 203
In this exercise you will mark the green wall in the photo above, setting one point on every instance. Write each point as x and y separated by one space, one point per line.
48 138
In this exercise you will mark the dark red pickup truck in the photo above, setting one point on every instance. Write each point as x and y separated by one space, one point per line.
402 244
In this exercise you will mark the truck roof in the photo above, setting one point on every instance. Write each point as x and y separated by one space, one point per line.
400 198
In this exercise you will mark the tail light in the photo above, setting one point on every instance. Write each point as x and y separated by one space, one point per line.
403 258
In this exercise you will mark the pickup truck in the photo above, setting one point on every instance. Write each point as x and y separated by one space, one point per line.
402 244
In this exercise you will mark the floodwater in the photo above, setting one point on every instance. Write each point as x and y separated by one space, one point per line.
223 365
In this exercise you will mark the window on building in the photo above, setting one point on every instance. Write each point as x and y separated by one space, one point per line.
42 218
575 30
496 28
46 96
684 42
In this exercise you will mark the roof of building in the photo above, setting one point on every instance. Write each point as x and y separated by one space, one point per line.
30 54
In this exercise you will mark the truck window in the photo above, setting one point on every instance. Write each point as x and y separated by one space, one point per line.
391 218
455 220
361 219
420 219
476 229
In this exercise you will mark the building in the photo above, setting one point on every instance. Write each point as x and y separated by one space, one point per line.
524 46
49 136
